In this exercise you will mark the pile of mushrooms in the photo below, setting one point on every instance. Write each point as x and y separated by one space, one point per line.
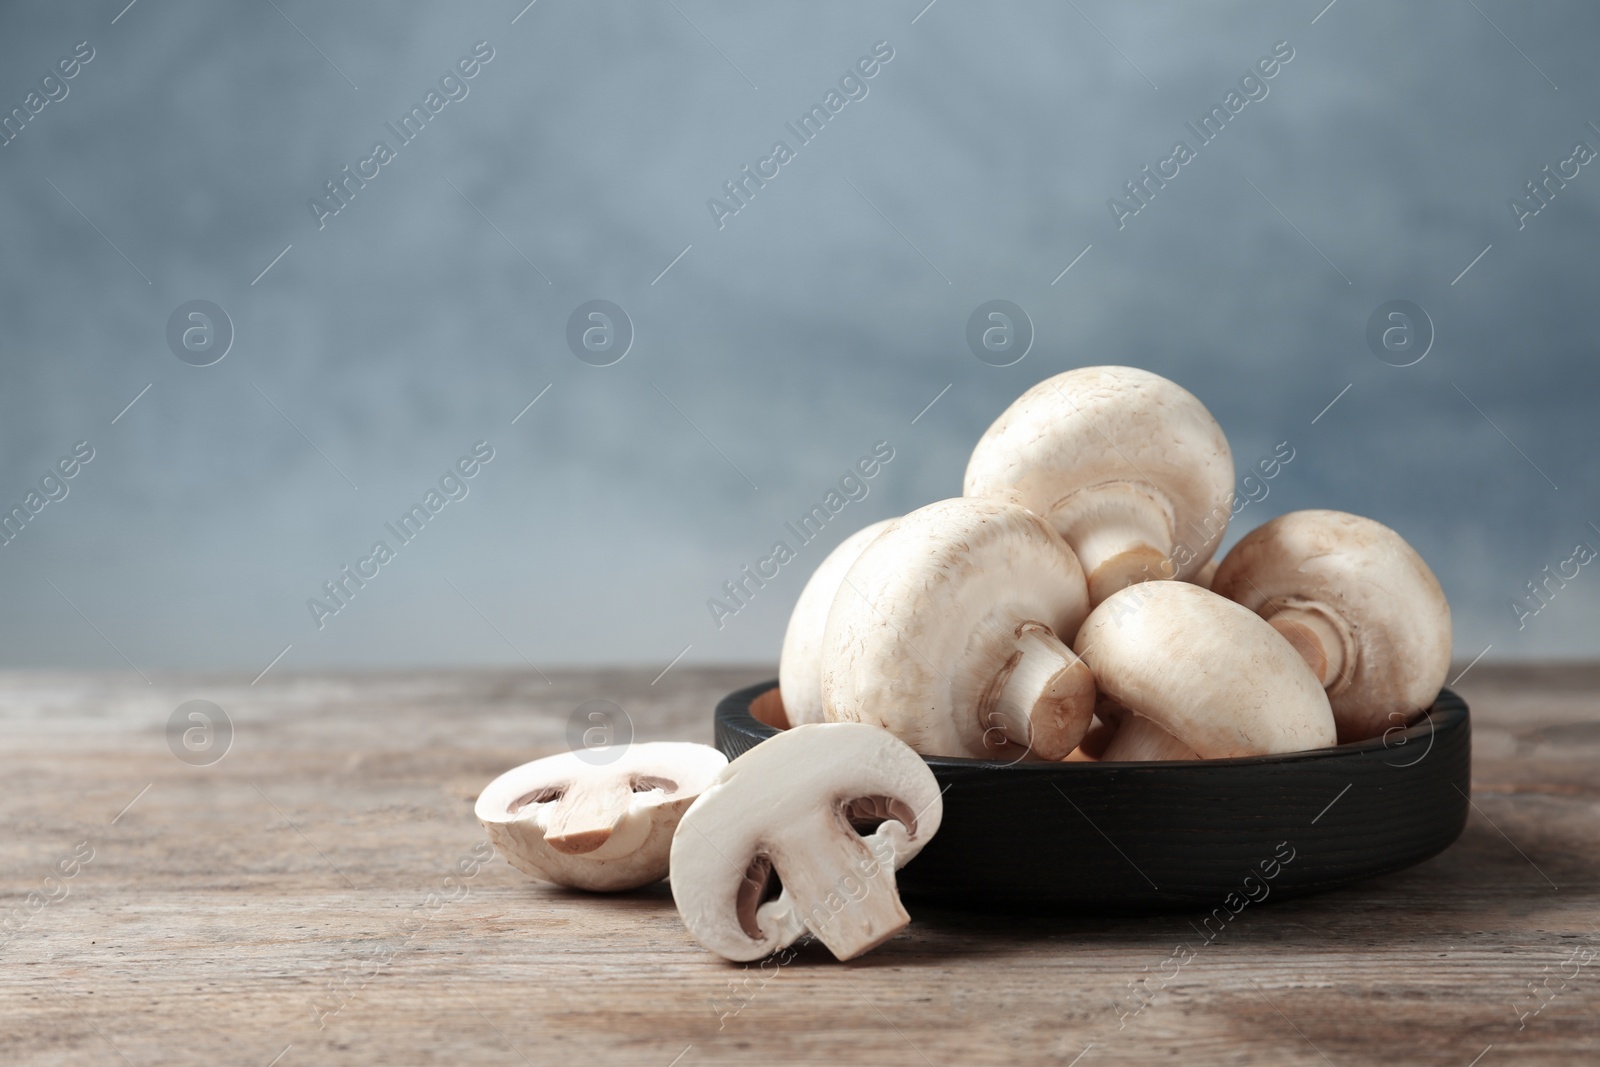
1065 607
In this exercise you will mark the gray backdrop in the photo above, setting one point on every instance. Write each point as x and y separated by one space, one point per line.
820 319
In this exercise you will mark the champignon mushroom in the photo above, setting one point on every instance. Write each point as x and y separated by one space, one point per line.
1358 603
1108 715
1200 676
1205 575
945 632
1129 467
600 826
800 662
804 832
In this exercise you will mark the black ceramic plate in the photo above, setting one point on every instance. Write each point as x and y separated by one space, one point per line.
1180 833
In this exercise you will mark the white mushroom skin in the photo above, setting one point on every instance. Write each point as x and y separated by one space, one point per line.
1143 741
1358 603
800 663
949 631
604 827
1210 674
1129 467
1205 575
1140 739
785 809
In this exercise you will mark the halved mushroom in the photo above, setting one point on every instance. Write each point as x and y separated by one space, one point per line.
1129 467
947 629
804 832
1200 676
1358 603
604 827
800 663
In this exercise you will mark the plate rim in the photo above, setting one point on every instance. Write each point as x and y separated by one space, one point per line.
1448 712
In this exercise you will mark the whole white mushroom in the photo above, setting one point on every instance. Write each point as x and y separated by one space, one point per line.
1129 467
1199 676
800 662
949 631
1358 603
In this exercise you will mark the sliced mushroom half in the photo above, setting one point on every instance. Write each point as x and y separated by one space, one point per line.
600 826
804 833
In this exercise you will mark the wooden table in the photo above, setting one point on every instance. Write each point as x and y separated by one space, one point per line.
299 902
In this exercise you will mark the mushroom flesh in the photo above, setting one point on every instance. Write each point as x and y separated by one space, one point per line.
804 833
590 825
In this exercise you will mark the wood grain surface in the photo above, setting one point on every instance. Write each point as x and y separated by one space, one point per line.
301 901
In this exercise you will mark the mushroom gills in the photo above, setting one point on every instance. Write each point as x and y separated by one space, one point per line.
539 796
866 814
761 884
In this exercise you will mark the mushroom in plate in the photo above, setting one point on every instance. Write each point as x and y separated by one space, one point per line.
591 825
948 631
1200 677
1205 575
1358 603
1128 466
804 832
1108 717
800 662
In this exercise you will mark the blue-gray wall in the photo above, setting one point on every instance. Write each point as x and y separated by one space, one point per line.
784 343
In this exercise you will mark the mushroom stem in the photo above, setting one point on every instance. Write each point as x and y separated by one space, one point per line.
1121 532
1317 636
587 814
838 888
1044 695
1140 739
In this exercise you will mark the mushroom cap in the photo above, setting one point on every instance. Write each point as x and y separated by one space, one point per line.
786 803
1100 426
1204 576
800 663
1208 671
930 613
603 827
1366 575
